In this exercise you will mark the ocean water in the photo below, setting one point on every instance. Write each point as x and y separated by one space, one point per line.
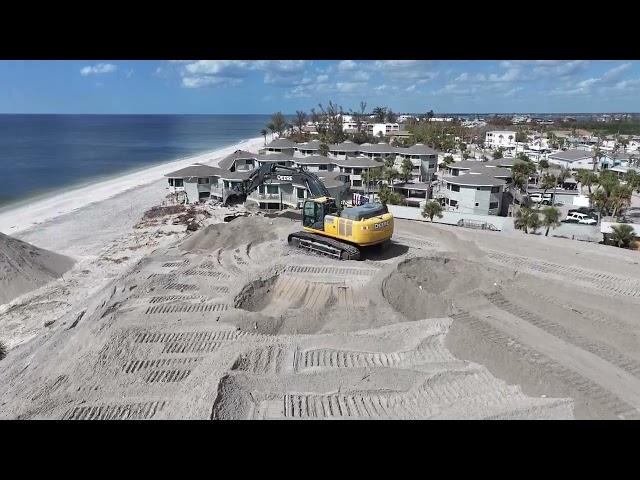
42 154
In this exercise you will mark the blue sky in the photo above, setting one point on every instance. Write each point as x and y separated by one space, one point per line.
263 86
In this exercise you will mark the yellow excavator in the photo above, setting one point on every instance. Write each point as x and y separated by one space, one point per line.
327 229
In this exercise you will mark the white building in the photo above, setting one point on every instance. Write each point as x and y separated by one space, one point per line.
576 159
501 138
476 193
385 129
424 160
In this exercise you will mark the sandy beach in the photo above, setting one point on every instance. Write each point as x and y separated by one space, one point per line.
94 226
32 216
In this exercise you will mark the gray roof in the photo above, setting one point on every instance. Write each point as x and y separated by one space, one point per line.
357 162
312 145
313 160
571 155
273 157
196 170
417 149
344 147
493 171
475 179
466 164
378 148
281 143
227 161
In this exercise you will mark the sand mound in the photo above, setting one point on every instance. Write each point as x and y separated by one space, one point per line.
24 267
241 231
426 287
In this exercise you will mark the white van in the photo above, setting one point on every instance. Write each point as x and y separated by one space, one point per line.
576 217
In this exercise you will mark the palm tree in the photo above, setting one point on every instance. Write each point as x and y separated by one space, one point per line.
405 170
380 113
620 199
586 179
432 209
264 132
534 222
599 201
597 155
522 219
550 218
622 235
390 174
323 149
548 181
301 119
633 180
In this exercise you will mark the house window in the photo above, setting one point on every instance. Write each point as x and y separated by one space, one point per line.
300 192
171 182
177 182
477 188
322 167
272 189
453 203
455 188
357 171
493 205
495 189
357 183
203 181
477 204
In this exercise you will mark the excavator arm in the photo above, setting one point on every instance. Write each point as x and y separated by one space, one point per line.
269 171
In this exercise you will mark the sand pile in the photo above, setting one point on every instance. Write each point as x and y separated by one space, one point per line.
426 287
241 231
24 267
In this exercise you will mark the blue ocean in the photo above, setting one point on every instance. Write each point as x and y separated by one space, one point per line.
41 154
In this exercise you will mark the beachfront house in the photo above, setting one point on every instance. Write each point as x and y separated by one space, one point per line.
476 193
278 194
201 182
307 149
358 170
423 158
280 145
379 151
239 160
315 163
344 149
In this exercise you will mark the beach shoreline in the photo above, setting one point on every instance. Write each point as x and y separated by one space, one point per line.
24 217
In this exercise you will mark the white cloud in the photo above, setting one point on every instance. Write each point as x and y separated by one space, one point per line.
130 73
322 78
380 88
411 88
349 87
98 69
203 73
360 76
197 82
346 65
615 72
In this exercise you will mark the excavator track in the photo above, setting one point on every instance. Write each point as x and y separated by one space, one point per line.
324 246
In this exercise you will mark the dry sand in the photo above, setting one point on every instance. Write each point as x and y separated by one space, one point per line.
24 267
97 231
232 323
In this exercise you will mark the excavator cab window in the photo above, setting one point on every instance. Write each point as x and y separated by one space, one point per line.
313 215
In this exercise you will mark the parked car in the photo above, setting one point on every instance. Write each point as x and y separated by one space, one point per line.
581 218
591 212
540 198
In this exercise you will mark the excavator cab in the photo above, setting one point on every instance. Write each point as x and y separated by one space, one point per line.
314 211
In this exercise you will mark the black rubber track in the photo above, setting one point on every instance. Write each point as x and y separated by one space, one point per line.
348 251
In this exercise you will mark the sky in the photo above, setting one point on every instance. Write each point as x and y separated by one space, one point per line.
266 86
